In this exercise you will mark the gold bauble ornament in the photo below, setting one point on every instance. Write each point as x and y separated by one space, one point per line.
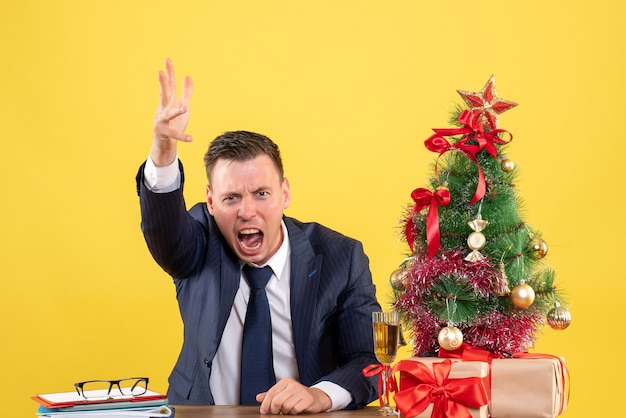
522 295
538 248
559 318
398 279
450 338
507 165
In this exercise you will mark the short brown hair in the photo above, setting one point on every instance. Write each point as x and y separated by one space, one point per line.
241 146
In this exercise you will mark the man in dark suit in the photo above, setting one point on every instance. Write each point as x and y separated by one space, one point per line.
320 291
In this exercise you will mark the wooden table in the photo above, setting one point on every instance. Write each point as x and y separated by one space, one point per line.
188 411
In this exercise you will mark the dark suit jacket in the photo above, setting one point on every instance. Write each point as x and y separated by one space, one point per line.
332 296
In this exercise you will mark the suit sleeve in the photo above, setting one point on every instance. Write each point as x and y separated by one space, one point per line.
175 239
353 333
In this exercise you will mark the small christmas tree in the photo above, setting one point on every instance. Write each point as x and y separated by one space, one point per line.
475 270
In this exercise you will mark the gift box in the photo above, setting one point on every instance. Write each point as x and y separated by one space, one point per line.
438 388
529 387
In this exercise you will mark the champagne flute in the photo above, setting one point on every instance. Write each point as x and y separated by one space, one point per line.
386 327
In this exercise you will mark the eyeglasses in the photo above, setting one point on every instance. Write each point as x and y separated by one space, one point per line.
105 389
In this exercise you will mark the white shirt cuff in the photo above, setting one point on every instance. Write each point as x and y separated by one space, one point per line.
162 179
339 397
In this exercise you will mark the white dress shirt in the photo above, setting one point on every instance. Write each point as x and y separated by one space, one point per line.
226 368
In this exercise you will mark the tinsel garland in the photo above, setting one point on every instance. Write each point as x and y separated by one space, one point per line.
502 328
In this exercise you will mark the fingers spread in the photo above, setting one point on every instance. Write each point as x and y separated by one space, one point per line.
169 66
165 89
187 90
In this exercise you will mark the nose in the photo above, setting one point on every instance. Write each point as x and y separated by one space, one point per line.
247 208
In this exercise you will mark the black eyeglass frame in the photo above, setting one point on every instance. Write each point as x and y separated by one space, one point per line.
112 383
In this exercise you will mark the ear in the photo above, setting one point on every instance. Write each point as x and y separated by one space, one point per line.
286 193
209 199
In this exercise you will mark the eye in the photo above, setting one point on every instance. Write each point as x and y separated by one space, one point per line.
263 193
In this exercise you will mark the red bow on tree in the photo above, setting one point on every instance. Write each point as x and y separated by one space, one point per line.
476 138
424 198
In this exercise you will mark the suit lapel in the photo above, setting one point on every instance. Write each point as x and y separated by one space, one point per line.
221 285
305 280
230 276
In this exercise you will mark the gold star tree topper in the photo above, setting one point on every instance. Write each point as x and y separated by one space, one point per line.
485 104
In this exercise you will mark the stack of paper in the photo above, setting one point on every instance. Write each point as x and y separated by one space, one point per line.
73 405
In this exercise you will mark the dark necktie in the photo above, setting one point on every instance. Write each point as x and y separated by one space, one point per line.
257 370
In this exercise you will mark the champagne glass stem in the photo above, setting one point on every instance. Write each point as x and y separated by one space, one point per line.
386 409
385 392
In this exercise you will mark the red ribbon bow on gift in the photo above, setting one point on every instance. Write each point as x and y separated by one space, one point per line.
450 397
424 198
473 131
392 384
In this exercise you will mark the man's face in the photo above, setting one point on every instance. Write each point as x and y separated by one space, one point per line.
247 199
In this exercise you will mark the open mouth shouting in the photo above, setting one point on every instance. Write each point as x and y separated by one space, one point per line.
250 240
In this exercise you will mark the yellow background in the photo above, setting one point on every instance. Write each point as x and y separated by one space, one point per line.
349 90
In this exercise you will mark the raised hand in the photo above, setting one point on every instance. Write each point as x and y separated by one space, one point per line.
171 118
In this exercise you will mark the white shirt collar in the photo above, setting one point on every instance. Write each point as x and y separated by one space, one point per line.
278 261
